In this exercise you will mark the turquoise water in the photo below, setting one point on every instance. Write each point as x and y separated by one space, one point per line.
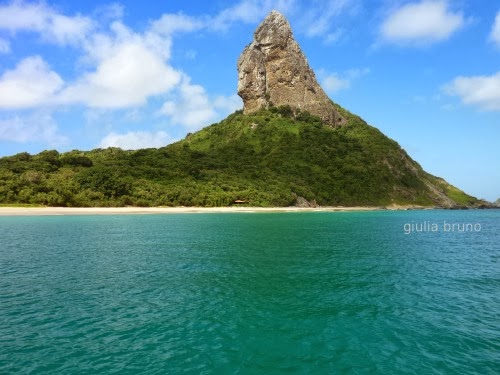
251 293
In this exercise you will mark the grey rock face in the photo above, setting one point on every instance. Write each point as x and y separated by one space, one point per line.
272 70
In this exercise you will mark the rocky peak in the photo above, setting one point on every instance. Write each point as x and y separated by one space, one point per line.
273 71
274 31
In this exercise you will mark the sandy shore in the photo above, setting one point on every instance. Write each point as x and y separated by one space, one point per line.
47 211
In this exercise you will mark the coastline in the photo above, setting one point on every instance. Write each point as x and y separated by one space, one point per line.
55 211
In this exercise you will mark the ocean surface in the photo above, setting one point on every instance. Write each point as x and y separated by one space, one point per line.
379 292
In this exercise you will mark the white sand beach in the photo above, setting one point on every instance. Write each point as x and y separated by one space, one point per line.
49 211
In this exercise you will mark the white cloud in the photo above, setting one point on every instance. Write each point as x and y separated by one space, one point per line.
67 30
130 68
101 46
495 31
125 70
421 23
482 91
4 46
169 24
228 104
37 127
248 11
20 16
136 140
39 17
191 107
30 84
245 11
334 82
126 78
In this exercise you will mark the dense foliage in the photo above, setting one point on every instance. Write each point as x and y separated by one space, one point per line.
269 158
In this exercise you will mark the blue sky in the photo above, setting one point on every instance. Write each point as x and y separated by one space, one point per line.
88 74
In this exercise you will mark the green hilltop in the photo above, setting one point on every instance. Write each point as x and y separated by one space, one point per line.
272 157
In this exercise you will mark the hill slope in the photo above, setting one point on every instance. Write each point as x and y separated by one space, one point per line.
273 157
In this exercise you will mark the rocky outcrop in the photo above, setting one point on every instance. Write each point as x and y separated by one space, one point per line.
304 203
273 71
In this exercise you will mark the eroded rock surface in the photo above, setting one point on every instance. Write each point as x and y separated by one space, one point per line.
273 71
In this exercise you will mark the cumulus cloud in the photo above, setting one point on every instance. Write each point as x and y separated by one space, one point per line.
125 68
136 140
495 31
169 24
67 30
191 107
31 83
127 75
421 23
37 127
39 17
482 91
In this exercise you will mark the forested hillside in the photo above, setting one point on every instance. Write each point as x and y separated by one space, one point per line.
269 158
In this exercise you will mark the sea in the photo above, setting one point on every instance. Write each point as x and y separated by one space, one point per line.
378 292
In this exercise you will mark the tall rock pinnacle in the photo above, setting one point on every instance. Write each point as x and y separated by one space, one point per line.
272 70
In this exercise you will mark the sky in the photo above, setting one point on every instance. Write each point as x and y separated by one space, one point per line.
95 74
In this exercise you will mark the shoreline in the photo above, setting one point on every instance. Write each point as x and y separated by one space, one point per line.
61 211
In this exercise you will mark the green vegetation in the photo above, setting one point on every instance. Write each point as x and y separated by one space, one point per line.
268 158
453 193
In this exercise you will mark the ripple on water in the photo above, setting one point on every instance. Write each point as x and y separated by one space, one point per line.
248 293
